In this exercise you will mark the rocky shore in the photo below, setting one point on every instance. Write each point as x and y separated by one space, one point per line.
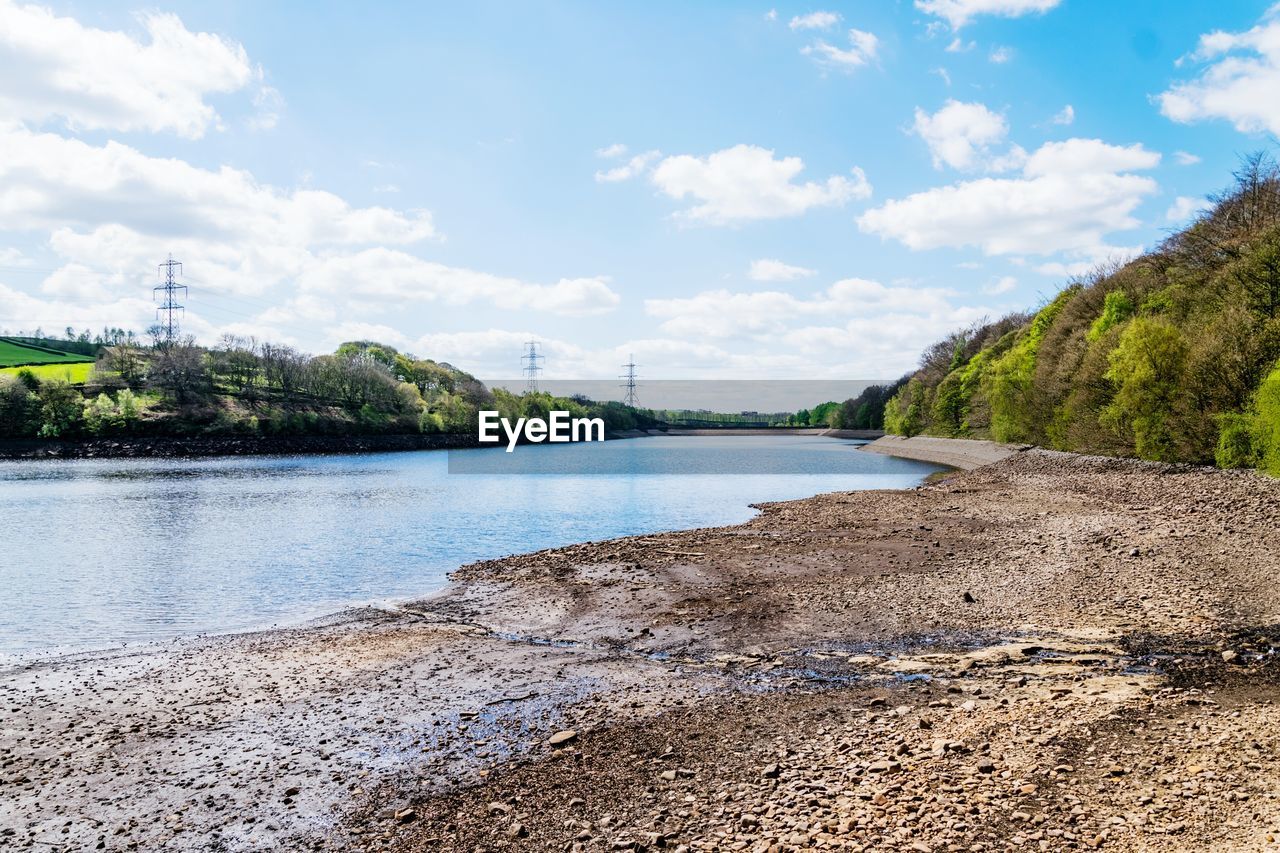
1049 652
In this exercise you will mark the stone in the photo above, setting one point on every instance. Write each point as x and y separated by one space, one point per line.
561 738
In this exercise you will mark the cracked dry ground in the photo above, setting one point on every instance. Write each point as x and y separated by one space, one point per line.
1052 652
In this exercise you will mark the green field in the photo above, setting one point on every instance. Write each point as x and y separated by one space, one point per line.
13 354
75 373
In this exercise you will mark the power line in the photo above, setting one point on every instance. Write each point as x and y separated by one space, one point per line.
630 398
531 368
169 302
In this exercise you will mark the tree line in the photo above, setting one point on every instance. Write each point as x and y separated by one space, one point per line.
242 385
1174 356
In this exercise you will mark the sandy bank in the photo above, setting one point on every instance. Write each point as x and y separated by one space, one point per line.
962 453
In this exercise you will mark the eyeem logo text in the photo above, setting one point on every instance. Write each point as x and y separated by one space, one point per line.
559 428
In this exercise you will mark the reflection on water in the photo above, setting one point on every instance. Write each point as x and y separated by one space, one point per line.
98 552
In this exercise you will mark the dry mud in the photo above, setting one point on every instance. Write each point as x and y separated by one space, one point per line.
1049 652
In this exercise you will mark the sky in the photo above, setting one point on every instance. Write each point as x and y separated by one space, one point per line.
723 190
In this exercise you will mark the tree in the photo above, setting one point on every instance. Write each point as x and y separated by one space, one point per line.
19 412
1147 368
181 369
60 407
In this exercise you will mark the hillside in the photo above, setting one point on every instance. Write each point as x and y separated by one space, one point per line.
15 353
1174 356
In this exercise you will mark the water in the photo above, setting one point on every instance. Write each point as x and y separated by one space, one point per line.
95 553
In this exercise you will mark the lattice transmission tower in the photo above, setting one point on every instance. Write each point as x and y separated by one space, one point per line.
630 398
532 369
167 294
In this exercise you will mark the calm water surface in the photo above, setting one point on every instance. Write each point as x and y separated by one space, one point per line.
94 553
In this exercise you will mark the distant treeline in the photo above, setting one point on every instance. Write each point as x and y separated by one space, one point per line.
1174 356
242 386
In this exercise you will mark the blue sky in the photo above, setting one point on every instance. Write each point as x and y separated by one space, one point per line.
726 190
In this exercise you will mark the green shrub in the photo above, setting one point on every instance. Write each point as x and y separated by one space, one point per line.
1236 442
1008 385
60 408
1147 370
1116 308
19 408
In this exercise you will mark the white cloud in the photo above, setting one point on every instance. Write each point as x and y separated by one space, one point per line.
863 49
768 269
56 68
1004 284
395 277
746 183
958 13
862 327
1183 208
611 152
960 134
1000 55
944 74
957 45
771 15
1185 158
1070 195
814 21
48 181
1065 116
1238 84
634 167
11 257
111 213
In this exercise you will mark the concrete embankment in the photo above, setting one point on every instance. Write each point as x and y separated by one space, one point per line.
832 433
963 453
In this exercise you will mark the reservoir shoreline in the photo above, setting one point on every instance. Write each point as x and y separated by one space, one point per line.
1036 646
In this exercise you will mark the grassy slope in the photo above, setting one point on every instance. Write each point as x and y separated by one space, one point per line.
75 373
13 353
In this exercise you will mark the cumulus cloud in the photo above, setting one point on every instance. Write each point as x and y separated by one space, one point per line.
1065 116
958 13
768 269
863 49
1000 55
1069 196
111 213
49 181
1185 158
746 182
865 327
633 167
55 68
960 135
396 277
1183 208
1238 83
814 21
1004 284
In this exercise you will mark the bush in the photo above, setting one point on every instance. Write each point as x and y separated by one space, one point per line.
60 408
19 408
1235 442
1147 369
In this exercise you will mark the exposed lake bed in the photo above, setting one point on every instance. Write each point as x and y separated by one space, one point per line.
1033 648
